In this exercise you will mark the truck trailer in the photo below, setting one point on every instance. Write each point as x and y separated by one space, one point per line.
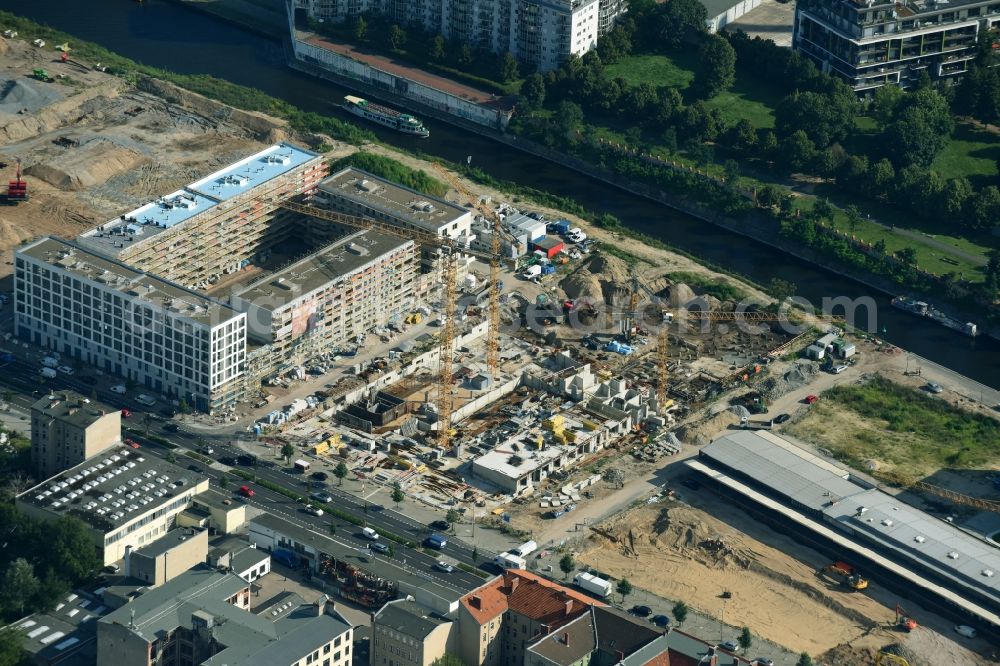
593 584
510 561
525 549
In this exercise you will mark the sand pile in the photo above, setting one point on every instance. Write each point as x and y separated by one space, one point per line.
87 166
800 374
607 278
19 94
702 432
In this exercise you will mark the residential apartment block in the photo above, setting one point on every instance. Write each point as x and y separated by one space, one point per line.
126 499
127 322
407 634
203 617
871 43
67 429
540 33
361 281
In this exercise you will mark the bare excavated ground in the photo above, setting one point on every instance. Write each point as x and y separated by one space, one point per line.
93 148
695 550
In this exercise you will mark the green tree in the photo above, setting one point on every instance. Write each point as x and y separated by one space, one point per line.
797 151
448 660
70 550
743 137
907 255
823 210
360 28
879 247
853 218
508 68
746 639
640 99
567 564
287 451
883 178
11 651
680 612
465 56
781 289
397 37
921 128
453 517
678 20
569 119
885 102
824 117
804 660
533 90
182 406
171 457
19 585
397 493
624 588
984 208
224 482
718 67
340 471
954 196
438 50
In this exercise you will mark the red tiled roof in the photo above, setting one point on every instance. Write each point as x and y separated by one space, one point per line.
528 594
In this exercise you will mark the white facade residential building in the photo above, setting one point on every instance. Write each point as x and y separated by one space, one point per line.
540 33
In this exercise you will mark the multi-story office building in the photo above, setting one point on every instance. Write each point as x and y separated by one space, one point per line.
203 618
329 298
540 33
67 429
871 43
127 500
129 323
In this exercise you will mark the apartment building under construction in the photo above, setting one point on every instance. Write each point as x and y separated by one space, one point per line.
204 293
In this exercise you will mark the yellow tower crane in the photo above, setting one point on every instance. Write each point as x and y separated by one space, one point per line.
497 235
444 397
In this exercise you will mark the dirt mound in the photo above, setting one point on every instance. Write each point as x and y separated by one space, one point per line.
702 432
681 294
802 373
605 277
87 166
845 655
20 94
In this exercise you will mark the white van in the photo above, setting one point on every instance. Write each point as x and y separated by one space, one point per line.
369 533
532 272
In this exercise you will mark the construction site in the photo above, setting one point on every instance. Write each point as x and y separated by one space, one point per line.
489 355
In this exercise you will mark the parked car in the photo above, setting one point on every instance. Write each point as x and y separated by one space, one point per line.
764 661
810 399
119 389
441 565
839 369
380 547
65 369
965 630
246 491
442 525
208 450
641 611
112 568
731 646
144 399
576 236
934 387
661 620
781 418
131 443
126 412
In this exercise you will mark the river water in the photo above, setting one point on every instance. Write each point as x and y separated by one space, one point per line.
165 34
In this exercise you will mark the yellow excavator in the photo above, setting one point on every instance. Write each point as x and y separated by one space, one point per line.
848 575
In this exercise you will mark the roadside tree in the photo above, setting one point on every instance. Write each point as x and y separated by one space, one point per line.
567 564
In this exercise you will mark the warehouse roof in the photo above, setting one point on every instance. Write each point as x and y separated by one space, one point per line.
916 535
396 201
114 488
783 467
340 259
160 294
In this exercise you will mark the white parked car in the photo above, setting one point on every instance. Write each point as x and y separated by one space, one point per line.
576 236
65 369
144 399
119 389
965 630
839 369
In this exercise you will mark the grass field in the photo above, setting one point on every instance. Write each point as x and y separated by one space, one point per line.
972 153
747 99
905 431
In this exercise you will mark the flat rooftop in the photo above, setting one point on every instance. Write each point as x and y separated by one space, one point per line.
416 208
342 258
64 635
252 171
170 210
71 408
167 542
113 488
514 464
916 535
162 294
783 467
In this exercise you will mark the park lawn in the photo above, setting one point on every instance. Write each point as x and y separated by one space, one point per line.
972 153
907 432
660 70
746 100
929 257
